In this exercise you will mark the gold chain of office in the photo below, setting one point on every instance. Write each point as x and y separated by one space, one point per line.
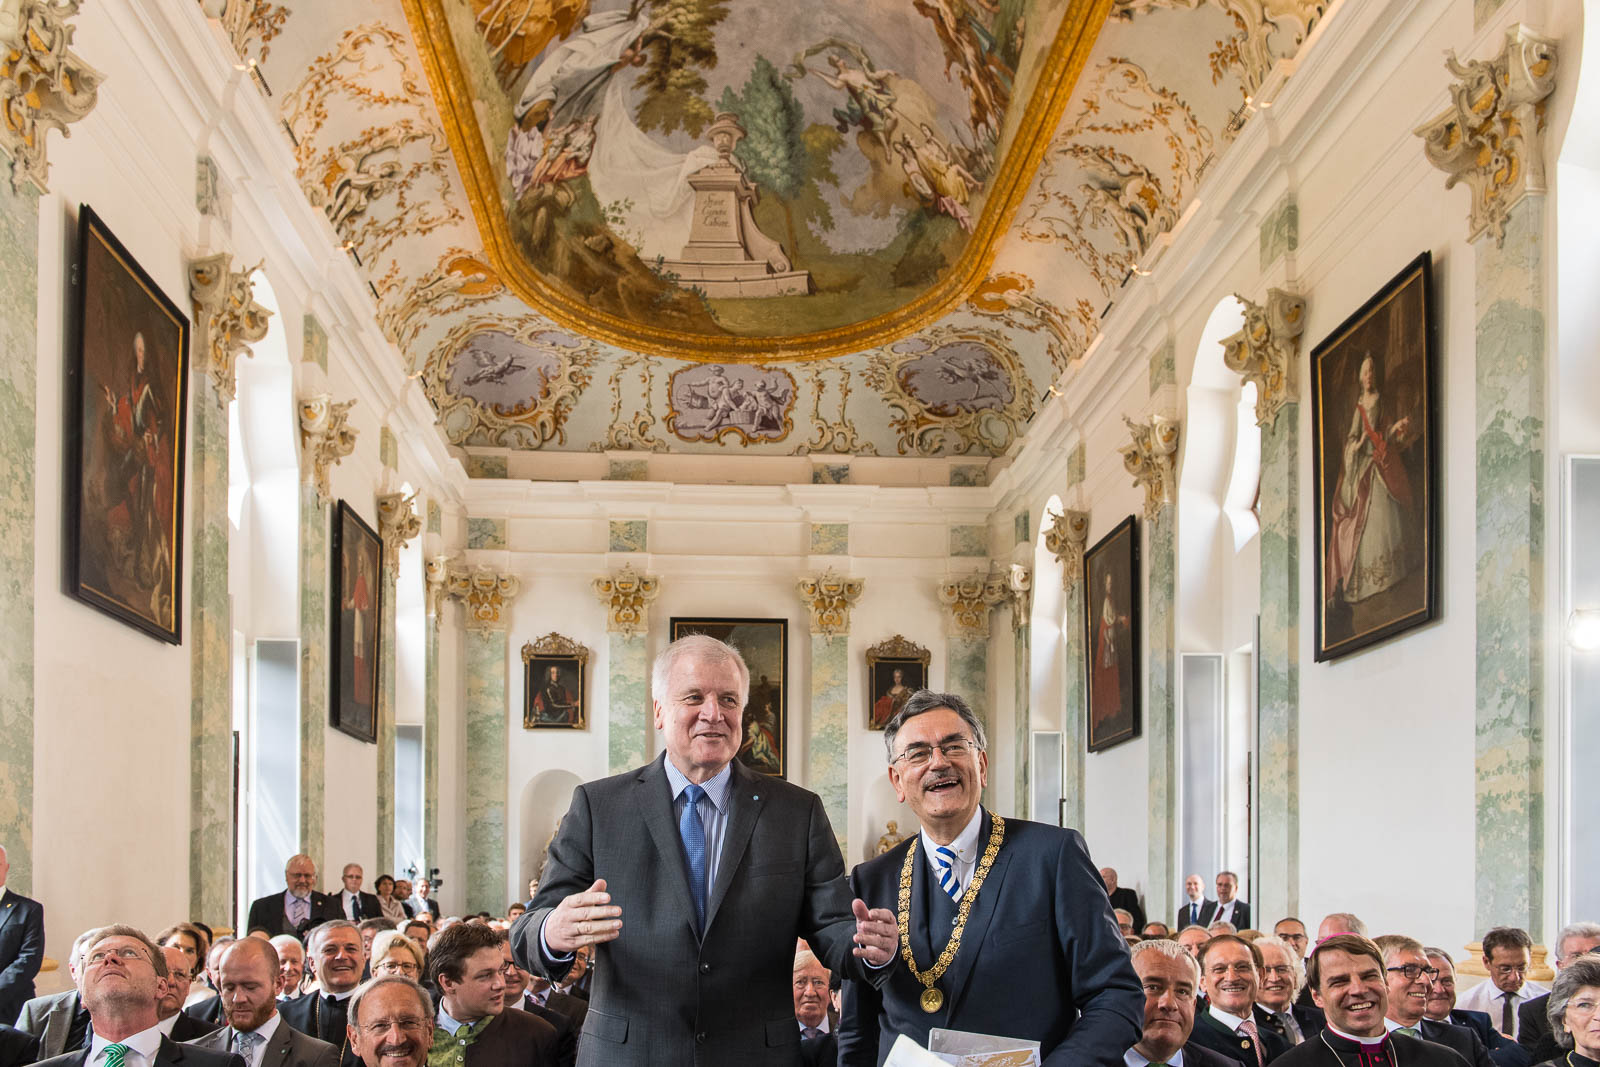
932 999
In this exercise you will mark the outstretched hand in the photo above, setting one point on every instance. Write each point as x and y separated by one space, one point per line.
876 933
586 918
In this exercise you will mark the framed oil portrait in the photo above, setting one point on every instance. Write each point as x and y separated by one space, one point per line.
127 399
896 668
1112 628
554 671
1375 454
357 610
764 644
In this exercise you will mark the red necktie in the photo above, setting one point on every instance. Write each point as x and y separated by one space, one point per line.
1248 1028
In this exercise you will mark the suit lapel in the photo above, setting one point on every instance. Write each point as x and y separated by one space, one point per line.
744 804
979 917
169 1052
8 909
655 802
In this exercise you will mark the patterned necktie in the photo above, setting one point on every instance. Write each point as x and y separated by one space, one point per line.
948 881
1291 1029
1409 1031
1508 1018
244 1043
115 1054
693 832
1248 1028
299 910
809 1033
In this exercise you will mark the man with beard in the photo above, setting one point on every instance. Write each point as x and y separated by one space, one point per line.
566 1048
391 1023
339 956
124 978
247 975
1170 978
1282 977
1005 924
467 964
1346 976
1230 976
1441 1007
1408 975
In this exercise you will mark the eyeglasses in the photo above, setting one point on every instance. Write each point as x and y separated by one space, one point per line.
397 967
510 970
411 1024
127 954
1413 971
920 755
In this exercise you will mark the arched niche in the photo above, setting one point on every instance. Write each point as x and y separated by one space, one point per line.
545 799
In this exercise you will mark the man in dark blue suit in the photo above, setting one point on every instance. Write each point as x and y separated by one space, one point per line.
21 946
1441 1007
1005 925
1171 979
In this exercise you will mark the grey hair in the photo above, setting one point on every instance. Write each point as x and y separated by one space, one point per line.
1296 968
324 929
925 700
1581 973
1429 950
1168 948
79 943
1346 919
702 646
1123 913
1572 930
1227 927
424 1001
805 958
1186 929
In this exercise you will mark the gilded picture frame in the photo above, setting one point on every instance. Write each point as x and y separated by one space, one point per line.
896 668
555 684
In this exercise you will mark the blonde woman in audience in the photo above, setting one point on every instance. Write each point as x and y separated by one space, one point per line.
395 953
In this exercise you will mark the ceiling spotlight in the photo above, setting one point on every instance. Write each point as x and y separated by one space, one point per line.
1583 630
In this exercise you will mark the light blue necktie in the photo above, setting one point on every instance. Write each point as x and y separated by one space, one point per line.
693 832
948 881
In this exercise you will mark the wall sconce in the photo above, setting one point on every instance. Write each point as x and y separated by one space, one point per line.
1583 630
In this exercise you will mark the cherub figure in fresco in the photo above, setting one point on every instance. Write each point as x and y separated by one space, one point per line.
981 374
871 103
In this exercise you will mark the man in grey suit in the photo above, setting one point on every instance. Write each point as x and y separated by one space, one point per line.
59 1020
693 876
247 975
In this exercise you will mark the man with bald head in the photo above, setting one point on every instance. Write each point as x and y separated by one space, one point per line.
298 908
247 975
1123 897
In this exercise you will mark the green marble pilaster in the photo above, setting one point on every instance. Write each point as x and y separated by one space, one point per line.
19 349
1161 708
628 732
1074 729
1022 656
1278 822
210 640
488 769
1510 308
385 711
829 749
967 676
430 743
314 576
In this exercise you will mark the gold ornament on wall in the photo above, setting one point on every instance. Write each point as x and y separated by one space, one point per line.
44 85
398 523
968 601
485 594
1152 459
627 595
1267 351
228 317
1066 538
326 437
829 596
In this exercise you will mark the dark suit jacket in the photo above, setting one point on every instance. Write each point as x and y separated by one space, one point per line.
1041 957
1199 1056
288 1048
514 1039
1533 1030
50 1018
370 908
208 1011
170 1054
820 1051
187 1028
1310 1021
1128 901
21 951
1241 914
1211 1034
1208 908
305 1015
574 1008
1460 1038
266 913
566 1031
17 1047
1502 1050
664 994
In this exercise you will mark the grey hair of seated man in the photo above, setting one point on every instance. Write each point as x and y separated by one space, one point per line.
1170 949
1581 973
1573 932
424 1001
1295 966
925 700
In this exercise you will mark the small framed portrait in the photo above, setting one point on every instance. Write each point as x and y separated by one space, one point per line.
896 668
555 670
764 644
127 395
1111 607
357 612
1375 453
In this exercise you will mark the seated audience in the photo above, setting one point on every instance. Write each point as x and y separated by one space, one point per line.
1230 976
419 899
1282 978
1507 954
1340 922
390 906
541 992
1292 932
1441 1007
1170 979
338 955
59 1020
298 908
291 965
184 936
395 953
171 1019
467 965
517 998
1124 921
1191 938
248 973
350 901
1156 931
1409 976
391 1023
1533 1021
1575 1013
514 911
577 983
818 1043
418 930
1221 927
371 928
124 979
203 1002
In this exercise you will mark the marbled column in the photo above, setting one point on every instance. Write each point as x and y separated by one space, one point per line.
488 768
1161 708
1510 585
1278 837
210 640
313 669
1074 731
967 676
829 750
1021 646
430 744
385 713
19 346
629 724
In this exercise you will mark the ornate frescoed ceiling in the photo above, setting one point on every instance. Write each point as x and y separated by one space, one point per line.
736 226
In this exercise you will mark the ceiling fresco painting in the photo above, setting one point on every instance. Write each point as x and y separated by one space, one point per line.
530 254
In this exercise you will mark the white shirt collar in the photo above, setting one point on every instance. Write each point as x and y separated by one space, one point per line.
266 1029
821 1027
1391 1026
1135 1058
2 891
166 1025
1232 1022
716 787
965 846
146 1043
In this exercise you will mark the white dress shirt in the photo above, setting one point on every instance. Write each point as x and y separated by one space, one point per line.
1225 912
1134 1058
965 846
1487 998
166 1025
141 1049
1232 1022
821 1028
265 1032
347 905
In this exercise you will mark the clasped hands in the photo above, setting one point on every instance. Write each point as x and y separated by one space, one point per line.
589 918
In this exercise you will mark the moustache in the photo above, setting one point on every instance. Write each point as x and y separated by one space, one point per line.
397 1048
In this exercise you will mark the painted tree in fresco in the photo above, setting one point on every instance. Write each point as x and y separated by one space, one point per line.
773 150
680 43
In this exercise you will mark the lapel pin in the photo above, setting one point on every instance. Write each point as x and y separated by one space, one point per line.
756 797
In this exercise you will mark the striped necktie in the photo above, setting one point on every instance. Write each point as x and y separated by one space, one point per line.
115 1054
945 858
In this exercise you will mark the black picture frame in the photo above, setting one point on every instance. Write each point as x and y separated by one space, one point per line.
1377 509
127 404
1113 633
355 631
764 644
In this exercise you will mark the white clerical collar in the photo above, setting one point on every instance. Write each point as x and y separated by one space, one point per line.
1232 1022
337 996
1134 1058
965 846
146 1043
1358 1040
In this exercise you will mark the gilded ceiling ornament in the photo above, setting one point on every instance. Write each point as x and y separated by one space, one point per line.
837 435
44 85
968 601
635 430
485 594
461 279
553 644
953 391
1152 459
326 437
1066 538
249 24
627 595
507 382
1010 296
1491 135
1267 351
398 523
228 317
1258 22
829 597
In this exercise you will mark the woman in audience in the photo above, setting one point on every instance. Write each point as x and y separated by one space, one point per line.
392 906
186 939
1574 1010
395 953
